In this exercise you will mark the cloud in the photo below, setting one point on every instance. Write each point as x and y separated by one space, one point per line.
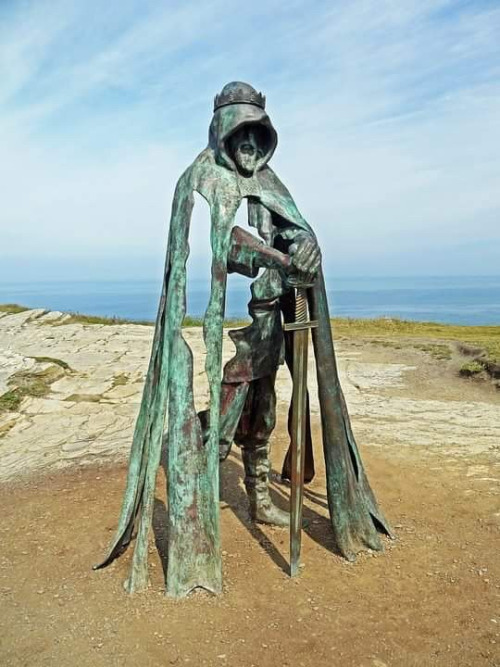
388 115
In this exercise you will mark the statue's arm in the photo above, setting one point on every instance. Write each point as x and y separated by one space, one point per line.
248 254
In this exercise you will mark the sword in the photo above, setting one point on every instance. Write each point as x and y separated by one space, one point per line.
300 329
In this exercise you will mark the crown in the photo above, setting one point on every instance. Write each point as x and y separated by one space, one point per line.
242 94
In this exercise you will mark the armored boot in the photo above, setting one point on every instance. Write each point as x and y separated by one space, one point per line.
262 508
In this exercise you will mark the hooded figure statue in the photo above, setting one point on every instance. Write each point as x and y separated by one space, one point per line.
234 167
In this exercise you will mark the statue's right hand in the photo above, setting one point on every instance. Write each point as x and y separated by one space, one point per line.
295 278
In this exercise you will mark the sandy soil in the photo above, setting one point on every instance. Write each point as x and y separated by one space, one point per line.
432 598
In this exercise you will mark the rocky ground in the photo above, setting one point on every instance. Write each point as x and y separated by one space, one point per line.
69 394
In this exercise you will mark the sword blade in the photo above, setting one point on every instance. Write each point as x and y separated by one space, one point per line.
300 350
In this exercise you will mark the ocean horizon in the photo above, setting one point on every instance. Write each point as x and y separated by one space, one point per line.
468 300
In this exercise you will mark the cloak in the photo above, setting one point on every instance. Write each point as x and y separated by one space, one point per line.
167 408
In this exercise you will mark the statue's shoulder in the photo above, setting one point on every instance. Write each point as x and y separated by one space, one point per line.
277 198
268 176
208 178
192 173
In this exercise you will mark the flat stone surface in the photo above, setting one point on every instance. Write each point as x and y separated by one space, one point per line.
89 414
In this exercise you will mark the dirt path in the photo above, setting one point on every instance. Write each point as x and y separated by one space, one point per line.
431 599
430 444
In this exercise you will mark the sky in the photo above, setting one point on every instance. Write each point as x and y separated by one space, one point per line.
387 112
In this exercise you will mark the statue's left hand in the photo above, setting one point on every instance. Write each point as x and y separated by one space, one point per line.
306 255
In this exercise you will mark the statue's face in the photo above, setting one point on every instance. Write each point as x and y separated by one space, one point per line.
245 150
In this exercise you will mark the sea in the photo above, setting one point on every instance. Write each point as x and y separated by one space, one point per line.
469 300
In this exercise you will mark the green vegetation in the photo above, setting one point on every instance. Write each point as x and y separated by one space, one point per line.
83 398
53 360
78 318
190 321
234 322
383 329
436 350
120 380
12 308
10 401
485 337
471 368
31 383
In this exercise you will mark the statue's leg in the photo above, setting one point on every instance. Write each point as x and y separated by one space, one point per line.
233 397
254 430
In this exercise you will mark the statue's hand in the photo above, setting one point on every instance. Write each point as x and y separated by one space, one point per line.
306 255
299 279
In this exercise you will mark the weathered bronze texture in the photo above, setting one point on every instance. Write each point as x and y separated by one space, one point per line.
233 167
300 328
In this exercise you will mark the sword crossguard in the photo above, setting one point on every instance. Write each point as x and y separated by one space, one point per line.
298 326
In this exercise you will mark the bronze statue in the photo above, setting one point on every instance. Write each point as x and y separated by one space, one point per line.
233 167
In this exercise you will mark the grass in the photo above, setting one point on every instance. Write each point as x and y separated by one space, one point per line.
78 318
53 360
31 384
10 401
188 321
12 308
471 368
484 337
120 380
436 350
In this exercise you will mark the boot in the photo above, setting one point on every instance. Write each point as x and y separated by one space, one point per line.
262 508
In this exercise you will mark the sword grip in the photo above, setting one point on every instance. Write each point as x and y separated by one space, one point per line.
301 305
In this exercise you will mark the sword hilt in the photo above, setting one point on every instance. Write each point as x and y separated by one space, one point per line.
302 320
301 305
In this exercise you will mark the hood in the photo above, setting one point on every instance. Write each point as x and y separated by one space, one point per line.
227 119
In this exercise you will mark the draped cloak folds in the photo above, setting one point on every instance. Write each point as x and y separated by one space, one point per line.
167 408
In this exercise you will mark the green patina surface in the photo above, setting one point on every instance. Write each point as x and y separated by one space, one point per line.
167 413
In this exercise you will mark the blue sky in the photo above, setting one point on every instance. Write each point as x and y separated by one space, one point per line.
387 111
